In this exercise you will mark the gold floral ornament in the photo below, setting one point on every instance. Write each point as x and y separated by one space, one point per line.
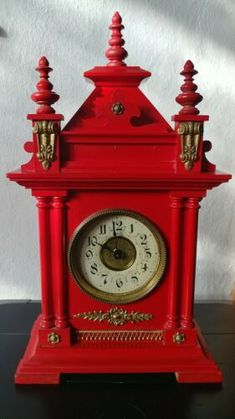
179 338
53 338
46 137
118 108
115 316
190 133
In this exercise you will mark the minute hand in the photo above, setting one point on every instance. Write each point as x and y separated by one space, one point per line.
115 234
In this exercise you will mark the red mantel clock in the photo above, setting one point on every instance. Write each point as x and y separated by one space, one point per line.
118 194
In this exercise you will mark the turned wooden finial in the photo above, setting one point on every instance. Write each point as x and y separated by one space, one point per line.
116 53
189 98
44 97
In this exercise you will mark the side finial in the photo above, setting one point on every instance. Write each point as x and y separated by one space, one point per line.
44 97
189 98
116 53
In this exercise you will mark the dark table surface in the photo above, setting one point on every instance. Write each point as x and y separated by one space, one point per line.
106 397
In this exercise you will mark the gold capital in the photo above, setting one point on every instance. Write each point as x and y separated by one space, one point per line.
190 133
46 136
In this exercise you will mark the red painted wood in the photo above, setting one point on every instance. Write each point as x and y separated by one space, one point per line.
44 96
107 160
189 98
47 319
190 363
192 206
173 315
116 53
59 258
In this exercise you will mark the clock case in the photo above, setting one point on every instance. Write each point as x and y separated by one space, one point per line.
117 151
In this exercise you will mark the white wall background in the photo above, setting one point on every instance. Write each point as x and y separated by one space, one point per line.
160 36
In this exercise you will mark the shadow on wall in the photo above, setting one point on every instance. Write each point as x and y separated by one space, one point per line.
212 18
3 33
215 264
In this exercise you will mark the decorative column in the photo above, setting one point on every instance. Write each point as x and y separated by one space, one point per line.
58 268
43 205
192 206
189 126
176 252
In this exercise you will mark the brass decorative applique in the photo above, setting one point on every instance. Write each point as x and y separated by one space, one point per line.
118 108
120 336
116 316
190 133
53 338
46 136
179 338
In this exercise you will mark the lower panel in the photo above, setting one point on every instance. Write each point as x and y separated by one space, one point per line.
191 363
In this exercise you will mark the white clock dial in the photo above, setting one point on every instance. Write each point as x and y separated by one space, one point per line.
117 256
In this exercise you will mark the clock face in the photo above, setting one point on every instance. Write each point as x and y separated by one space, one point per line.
117 256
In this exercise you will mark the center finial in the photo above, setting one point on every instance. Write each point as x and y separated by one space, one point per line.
116 53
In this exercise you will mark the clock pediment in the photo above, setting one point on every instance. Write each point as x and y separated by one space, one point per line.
117 109
117 133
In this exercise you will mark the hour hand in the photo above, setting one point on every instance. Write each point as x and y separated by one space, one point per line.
105 246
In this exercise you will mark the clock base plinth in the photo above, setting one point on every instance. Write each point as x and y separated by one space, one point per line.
191 363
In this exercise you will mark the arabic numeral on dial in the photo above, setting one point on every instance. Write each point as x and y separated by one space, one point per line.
89 254
144 267
92 240
104 277
102 228
148 253
134 279
117 225
119 283
143 239
94 268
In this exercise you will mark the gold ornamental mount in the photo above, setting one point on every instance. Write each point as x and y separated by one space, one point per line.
53 338
120 335
115 316
179 338
118 108
190 133
46 132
